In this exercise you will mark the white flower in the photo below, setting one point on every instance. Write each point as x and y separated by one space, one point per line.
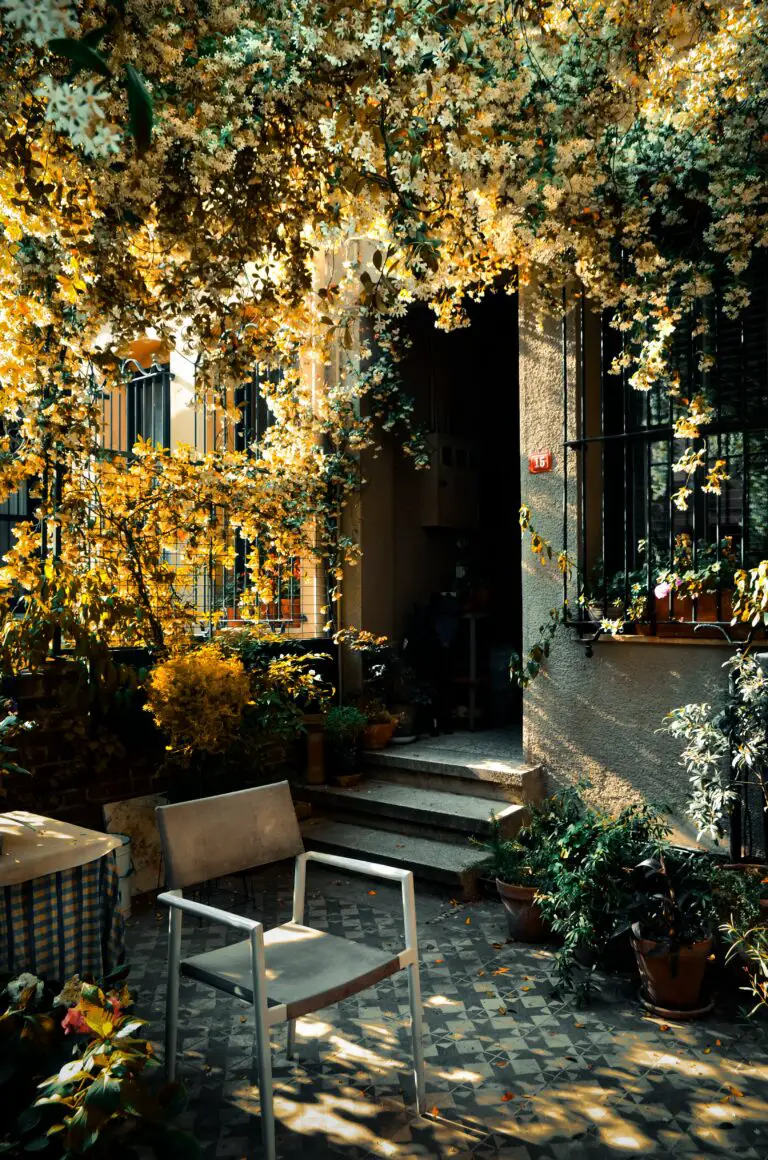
39 21
22 983
77 111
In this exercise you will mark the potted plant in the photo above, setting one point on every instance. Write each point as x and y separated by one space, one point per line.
591 854
515 866
673 922
344 727
381 724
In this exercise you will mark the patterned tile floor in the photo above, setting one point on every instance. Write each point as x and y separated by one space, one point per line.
512 1072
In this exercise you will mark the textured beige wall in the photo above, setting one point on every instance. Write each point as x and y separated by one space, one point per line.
593 716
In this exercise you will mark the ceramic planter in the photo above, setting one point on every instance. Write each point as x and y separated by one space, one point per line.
672 979
376 736
315 771
344 761
524 918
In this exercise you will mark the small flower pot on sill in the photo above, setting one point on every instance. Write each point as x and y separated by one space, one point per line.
672 980
376 736
524 918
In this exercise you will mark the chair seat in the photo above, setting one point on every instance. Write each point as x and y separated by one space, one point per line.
306 968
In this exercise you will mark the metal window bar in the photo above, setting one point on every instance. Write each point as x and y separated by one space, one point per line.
148 403
221 589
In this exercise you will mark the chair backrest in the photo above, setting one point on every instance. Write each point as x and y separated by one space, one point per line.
215 836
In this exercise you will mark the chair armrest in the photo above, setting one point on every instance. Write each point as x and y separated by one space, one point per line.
358 866
212 913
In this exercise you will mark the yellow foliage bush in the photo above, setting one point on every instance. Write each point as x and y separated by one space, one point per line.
198 699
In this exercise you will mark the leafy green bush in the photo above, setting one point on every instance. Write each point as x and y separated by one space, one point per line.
344 725
525 859
590 860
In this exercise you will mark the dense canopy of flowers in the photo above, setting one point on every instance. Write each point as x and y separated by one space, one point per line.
274 181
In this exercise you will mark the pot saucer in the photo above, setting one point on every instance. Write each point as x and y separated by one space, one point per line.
675 1015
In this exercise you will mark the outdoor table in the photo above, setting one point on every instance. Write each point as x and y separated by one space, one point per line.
58 899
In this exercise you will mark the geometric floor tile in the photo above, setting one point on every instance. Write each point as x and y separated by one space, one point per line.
512 1072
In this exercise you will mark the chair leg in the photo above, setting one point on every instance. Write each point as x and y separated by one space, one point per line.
263 1054
172 993
291 1050
417 1036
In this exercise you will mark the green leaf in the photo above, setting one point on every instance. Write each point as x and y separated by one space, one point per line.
104 1094
95 36
180 1145
29 1119
129 1028
81 54
140 109
37 1145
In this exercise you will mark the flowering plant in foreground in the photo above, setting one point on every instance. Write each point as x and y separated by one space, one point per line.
100 1098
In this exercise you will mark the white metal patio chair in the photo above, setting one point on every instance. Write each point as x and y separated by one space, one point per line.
286 972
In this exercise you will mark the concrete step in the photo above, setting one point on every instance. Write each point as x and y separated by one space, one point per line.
409 809
444 863
454 771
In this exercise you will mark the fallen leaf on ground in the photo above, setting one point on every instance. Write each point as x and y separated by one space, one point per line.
480 973
467 921
502 1010
497 946
664 1027
507 1097
437 962
371 891
579 1025
434 1111
454 902
501 971
525 988
707 1050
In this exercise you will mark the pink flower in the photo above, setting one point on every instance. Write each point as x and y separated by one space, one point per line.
74 1021
661 590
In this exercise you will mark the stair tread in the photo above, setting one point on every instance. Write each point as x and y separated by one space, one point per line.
447 761
473 807
418 853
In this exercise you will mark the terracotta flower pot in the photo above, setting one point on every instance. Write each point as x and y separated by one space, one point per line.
672 979
376 736
524 918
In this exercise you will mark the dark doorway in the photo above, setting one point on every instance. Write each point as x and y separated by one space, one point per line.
457 536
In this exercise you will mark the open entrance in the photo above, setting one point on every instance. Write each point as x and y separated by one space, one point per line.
453 566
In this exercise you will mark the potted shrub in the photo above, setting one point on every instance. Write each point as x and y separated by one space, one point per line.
591 854
380 726
674 918
344 727
514 864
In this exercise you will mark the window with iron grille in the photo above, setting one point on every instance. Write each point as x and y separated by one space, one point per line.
645 558
13 510
148 405
256 417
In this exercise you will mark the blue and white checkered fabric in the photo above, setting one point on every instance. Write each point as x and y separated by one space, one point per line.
63 924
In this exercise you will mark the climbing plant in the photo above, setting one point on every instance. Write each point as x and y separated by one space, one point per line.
278 181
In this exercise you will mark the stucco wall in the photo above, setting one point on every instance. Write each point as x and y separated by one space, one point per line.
593 716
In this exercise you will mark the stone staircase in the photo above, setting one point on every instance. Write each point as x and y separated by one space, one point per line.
419 807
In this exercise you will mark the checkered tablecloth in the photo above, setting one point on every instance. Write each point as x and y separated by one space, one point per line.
63 924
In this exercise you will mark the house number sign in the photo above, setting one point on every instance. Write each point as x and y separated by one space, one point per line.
541 461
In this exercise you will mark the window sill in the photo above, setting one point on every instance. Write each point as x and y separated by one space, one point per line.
675 641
